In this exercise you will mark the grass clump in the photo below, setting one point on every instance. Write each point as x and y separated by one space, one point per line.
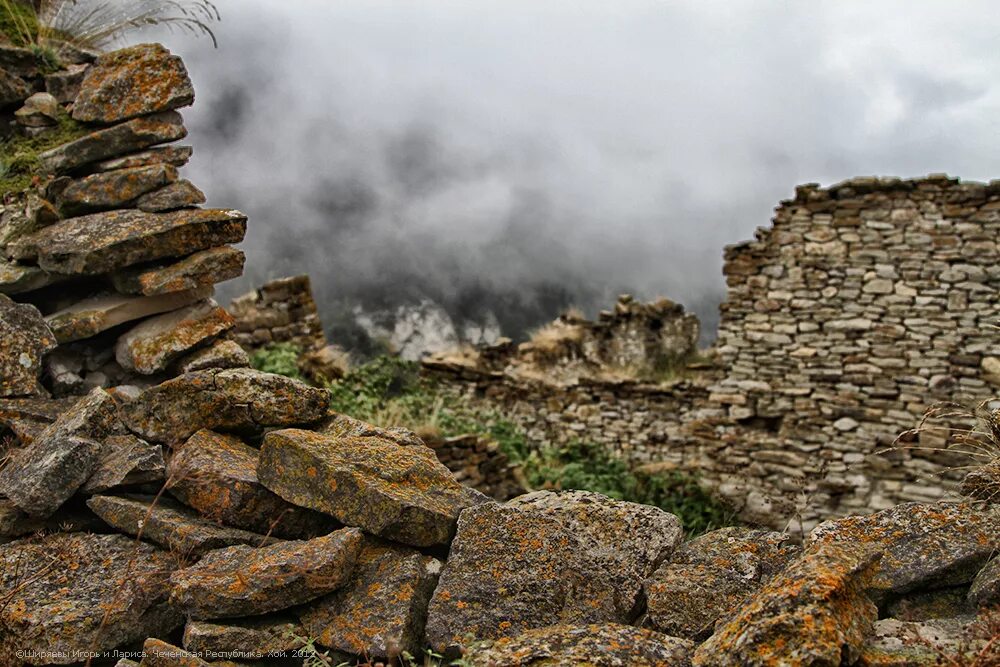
279 358
20 165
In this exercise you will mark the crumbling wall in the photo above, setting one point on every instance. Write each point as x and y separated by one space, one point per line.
280 311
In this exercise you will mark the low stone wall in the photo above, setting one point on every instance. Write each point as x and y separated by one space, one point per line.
281 311
479 463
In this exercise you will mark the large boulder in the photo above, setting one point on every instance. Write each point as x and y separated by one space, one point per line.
163 522
132 82
399 493
921 545
608 645
238 399
382 610
115 141
202 269
710 576
244 581
39 478
24 340
814 613
81 592
546 558
151 346
103 242
216 474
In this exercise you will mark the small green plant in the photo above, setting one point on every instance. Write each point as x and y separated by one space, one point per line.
280 358
20 164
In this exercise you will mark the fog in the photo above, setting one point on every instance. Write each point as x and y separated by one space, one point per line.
519 157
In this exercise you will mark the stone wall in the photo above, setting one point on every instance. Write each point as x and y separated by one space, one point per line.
281 311
863 305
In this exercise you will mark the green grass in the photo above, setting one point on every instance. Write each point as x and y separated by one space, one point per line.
19 162
391 392
18 22
280 358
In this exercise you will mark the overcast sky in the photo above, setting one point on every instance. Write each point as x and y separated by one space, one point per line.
602 145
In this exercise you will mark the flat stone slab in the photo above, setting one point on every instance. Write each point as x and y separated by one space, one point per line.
400 493
815 612
935 544
108 190
244 581
177 156
382 609
985 589
180 194
170 526
151 346
13 90
263 635
20 278
28 417
104 242
574 645
898 643
202 269
158 653
238 399
548 558
87 592
92 316
115 141
220 354
125 460
216 475
345 426
25 338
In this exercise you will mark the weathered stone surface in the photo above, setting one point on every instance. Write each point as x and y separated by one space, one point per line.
813 613
104 242
220 354
382 609
64 85
131 82
42 476
39 110
169 525
255 636
573 557
151 346
87 592
925 605
217 475
938 545
126 460
13 90
180 194
92 316
238 399
158 653
23 217
18 61
201 269
344 426
109 189
19 278
72 517
710 576
985 589
177 156
244 581
24 340
607 645
895 643
400 493
28 417
128 137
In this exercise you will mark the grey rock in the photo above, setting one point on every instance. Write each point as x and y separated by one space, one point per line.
260 635
177 156
108 190
985 589
24 340
151 346
126 460
180 194
13 90
220 354
64 85
202 269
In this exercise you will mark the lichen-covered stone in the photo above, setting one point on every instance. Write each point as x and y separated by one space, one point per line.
18 61
550 558
64 85
86 592
925 605
180 194
258 636
382 609
42 476
131 82
220 354
170 526
115 141
151 346
238 399
39 110
92 316
158 653
345 426
217 475
13 90
605 645
19 278
28 417
177 156
72 517
108 190
815 612
710 576
104 242
24 339
400 493
245 581
942 544
896 643
985 589
125 460
202 269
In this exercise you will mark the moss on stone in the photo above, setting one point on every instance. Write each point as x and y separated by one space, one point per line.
20 165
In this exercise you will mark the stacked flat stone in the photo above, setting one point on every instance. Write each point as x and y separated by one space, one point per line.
113 247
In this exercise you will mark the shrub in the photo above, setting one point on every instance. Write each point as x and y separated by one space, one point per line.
280 358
